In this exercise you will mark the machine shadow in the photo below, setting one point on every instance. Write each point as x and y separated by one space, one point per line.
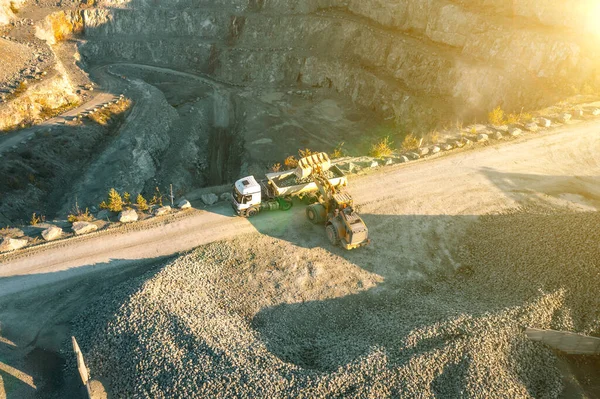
426 276
41 325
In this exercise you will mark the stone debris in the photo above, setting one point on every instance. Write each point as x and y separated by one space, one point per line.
532 127
578 113
52 233
515 131
184 204
128 216
435 149
564 118
482 137
8 244
163 210
423 151
446 147
80 228
497 136
209 199
226 197
403 159
544 122
596 112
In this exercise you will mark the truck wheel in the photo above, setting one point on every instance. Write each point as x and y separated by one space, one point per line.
251 212
332 234
286 203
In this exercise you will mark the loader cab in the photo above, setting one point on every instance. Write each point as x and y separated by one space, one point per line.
246 194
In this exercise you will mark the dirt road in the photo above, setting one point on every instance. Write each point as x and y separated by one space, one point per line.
558 168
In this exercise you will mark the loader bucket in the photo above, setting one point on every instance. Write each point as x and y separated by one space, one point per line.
307 164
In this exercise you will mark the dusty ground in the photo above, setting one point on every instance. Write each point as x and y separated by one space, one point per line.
393 316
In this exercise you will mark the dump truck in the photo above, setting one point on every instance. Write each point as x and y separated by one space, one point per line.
316 180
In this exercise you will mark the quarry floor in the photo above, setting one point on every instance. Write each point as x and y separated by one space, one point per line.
416 215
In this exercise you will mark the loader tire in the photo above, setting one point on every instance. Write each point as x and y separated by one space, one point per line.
313 213
286 203
332 234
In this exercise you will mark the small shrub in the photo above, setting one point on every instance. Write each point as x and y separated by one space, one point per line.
141 203
157 198
114 202
35 219
305 153
290 162
77 215
496 117
276 167
473 130
126 198
511 119
338 151
525 117
410 142
382 148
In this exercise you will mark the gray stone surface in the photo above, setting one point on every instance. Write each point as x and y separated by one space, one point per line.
163 210
11 244
209 199
80 228
52 233
128 216
184 204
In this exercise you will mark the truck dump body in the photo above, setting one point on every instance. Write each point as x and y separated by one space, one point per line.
279 182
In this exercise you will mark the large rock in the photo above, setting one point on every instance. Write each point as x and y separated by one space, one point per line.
435 149
578 113
532 127
52 233
413 155
226 197
564 118
11 244
163 210
596 112
103 214
80 228
209 199
481 137
544 122
128 216
515 131
184 204
446 147
497 136
403 159
423 151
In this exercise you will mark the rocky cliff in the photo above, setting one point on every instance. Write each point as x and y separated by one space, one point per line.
412 60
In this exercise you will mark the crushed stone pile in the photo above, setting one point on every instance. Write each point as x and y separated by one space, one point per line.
260 317
293 180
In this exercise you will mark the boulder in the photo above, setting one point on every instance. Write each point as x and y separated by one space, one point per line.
209 199
387 161
515 131
226 197
544 122
482 137
578 113
413 155
503 128
596 112
564 118
435 149
403 159
52 233
128 216
459 143
446 147
467 142
163 210
11 244
423 151
532 127
497 136
184 204
80 228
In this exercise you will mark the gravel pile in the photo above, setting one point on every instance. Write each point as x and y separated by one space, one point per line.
260 317
293 180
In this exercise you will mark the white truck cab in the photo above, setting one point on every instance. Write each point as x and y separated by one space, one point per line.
246 194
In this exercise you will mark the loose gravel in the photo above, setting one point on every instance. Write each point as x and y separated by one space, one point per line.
261 317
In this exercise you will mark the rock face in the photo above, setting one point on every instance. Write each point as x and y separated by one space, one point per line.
12 244
163 210
184 204
80 228
52 233
128 216
435 55
209 199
